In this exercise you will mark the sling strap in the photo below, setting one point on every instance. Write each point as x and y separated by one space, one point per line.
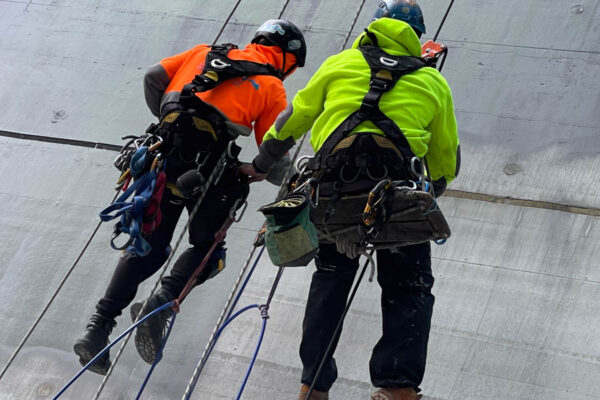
139 211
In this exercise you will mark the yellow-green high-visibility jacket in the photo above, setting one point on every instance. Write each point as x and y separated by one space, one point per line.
420 104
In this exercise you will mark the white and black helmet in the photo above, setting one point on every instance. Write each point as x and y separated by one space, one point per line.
283 34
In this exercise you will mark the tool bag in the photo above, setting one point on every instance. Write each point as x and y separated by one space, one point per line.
291 237
413 217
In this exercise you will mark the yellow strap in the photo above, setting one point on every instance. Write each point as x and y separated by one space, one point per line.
386 143
175 190
154 146
123 176
170 118
344 144
381 141
203 125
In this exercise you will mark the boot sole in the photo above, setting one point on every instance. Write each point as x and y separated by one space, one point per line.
145 345
386 396
82 349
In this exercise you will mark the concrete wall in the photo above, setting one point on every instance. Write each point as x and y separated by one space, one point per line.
517 287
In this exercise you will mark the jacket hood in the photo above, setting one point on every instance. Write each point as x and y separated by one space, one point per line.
394 36
274 56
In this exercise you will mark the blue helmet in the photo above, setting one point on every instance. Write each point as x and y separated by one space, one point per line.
404 10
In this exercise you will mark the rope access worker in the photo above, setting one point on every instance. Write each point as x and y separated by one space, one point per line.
253 98
420 104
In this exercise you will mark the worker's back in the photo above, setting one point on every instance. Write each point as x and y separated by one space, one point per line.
253 101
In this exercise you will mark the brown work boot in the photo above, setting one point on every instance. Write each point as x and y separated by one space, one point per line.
315 395
395 394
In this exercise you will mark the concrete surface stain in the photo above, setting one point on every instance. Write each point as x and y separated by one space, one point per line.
44 389
512 169
577 9
57 115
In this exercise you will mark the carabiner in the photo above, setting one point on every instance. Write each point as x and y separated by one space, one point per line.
316 193
413 162
299 169
399 185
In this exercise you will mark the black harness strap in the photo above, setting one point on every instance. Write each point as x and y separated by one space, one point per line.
386 70
218 68
201 116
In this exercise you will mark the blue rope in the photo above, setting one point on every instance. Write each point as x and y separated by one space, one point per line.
234 303
234 316
158 356
260 339
260 253
229 318
111 344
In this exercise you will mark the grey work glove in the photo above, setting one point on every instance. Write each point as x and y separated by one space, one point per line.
279 170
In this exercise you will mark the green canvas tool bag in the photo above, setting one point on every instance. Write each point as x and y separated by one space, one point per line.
291 237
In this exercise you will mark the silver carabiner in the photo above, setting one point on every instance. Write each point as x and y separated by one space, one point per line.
299 169
317 192
399 185
413 168
219 64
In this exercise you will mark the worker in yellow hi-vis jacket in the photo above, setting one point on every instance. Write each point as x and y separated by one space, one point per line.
346 97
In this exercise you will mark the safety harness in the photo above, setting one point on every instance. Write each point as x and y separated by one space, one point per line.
218 67
197 131
386 70
368 189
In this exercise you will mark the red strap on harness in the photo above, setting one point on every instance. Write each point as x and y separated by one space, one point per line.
152 214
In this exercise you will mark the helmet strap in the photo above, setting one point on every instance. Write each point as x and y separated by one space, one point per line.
289 70
371 36
282 72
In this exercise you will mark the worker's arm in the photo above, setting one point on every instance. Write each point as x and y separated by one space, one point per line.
158 77
294 121
443 154
276 103
156 82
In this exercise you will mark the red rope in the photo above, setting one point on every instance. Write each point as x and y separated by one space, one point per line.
219 236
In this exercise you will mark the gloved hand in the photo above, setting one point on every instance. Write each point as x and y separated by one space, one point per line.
250 171
279 169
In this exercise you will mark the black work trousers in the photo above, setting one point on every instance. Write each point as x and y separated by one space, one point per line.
214 210
398 359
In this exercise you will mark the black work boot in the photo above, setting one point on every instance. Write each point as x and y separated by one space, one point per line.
150 334
92 341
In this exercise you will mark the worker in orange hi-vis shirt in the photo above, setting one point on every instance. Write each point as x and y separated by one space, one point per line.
197 94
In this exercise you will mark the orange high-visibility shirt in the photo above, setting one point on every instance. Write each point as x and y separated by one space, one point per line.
246 101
